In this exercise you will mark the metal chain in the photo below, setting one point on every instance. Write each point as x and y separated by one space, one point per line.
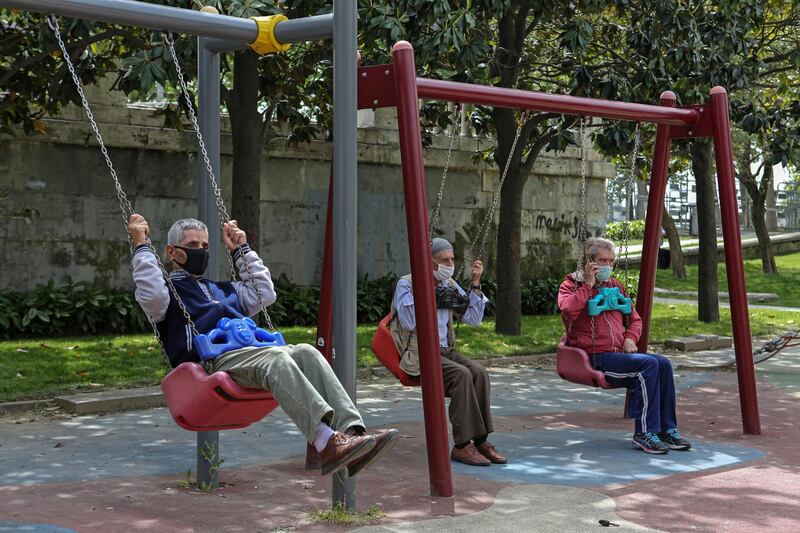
777 343
583 231
623 248
124 204
437 208
223 213
483 230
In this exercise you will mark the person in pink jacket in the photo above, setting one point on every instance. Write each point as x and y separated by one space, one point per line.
610 340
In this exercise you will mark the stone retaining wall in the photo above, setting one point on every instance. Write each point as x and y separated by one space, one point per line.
60 215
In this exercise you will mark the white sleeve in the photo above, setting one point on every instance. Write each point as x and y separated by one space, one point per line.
151 290
247 294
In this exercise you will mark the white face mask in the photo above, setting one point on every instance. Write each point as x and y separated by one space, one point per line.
444 272
603 273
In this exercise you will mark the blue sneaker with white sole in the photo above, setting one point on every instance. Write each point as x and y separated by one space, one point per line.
650 443
674 439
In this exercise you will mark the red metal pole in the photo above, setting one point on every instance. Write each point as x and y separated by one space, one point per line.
742 341
556 103
419 251
652 226
325 311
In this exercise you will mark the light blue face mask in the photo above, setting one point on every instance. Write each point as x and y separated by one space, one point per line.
604 272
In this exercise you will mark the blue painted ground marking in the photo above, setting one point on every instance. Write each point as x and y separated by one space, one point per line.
144 443
38 528
595 457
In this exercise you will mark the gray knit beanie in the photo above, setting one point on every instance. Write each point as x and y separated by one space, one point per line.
439 245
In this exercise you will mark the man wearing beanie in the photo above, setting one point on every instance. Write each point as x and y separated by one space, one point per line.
466 382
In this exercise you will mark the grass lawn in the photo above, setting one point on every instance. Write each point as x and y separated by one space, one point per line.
786 284
42 368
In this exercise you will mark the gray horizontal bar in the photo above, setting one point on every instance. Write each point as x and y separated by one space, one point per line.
289 31
305 29
128 12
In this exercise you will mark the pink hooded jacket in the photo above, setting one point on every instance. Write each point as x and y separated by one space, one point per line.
609 328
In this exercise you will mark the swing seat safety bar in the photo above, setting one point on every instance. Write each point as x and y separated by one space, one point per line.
233 334
609 299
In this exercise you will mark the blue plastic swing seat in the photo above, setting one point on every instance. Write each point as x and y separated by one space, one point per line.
610 299
233 334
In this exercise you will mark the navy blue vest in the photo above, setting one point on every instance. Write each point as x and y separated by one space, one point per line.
175 332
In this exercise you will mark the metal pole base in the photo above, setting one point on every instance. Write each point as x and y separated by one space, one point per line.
208 459
344 491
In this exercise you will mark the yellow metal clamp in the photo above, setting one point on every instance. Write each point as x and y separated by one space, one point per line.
266 43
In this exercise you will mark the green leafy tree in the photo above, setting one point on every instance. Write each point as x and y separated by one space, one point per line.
263 95
514 44
643 47
34 81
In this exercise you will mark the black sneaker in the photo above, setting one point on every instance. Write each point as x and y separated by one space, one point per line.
649 443
674 439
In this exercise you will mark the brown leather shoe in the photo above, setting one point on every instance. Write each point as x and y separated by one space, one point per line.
488 450
469 455
312 457
385 439
341 450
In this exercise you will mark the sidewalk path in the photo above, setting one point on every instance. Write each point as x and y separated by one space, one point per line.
726 305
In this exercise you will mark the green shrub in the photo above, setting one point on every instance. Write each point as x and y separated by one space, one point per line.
71 309
375 297
539 296
295 306
87 308
629 280
635 230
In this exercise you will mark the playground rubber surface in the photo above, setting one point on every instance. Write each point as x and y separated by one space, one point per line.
570 465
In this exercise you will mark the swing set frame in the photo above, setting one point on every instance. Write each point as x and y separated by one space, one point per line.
397 85
219 34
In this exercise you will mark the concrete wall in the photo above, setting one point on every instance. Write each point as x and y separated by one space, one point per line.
60 215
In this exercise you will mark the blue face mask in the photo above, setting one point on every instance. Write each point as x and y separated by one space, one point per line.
603 273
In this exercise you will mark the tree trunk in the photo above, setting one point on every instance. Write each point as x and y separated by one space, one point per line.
758 211
509 237
771 215
675 251
511 37
759 193
768 265
641 199
707 282
246 133
509 232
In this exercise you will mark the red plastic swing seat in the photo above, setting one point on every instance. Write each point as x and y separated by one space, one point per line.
202 402
573 364
385 350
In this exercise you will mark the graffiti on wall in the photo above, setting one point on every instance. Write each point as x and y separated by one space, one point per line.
561 225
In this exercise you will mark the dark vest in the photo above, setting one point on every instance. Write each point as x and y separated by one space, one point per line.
205 312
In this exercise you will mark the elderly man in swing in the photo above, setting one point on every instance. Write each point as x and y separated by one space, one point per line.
466 382
299 378
610 337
